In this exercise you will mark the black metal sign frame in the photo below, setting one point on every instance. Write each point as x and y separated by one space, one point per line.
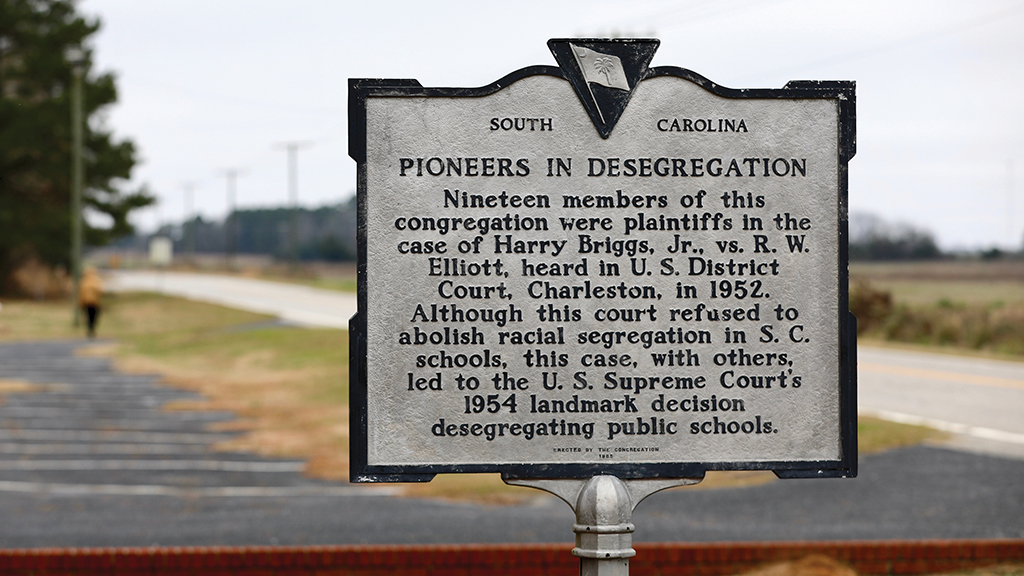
842 92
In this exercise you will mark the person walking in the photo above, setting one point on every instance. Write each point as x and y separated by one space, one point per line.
89 295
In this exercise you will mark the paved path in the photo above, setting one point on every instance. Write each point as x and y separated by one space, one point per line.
85 429
292 303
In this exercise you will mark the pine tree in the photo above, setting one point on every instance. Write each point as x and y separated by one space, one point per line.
35 138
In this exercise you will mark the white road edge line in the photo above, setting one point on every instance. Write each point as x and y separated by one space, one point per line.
216 492
953 427
108 465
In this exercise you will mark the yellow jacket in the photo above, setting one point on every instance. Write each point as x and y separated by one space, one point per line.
91 290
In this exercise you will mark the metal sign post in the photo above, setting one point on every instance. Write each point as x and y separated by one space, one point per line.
602 279
604 507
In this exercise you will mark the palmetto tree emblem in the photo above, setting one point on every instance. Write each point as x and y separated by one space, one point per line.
604 65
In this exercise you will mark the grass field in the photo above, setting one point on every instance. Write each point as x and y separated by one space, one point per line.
972 306
924 283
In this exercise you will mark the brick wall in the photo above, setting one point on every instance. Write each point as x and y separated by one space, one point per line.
867 558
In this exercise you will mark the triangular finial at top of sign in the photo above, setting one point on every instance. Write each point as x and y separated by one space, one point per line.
604 73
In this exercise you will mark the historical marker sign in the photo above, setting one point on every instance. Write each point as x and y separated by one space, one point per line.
602 268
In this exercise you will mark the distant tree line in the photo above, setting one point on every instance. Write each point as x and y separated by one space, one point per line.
872 238
327 233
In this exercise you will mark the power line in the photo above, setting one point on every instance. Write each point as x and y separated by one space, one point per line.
1010 208
200 94
955 28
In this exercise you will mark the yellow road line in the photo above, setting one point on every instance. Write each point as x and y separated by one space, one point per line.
958 377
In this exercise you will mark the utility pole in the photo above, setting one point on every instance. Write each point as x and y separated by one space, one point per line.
230 234
77 58
189 223
1009 208
293 148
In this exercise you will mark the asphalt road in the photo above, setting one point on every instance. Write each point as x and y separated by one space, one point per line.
88 458
979 402
918 493
296 304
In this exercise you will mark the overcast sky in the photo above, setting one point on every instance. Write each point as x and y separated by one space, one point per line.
211 85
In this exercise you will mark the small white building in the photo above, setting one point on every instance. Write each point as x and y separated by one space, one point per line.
161 251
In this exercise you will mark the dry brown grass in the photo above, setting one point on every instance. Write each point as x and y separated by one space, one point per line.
39 281
7 386
286 408
22 320
812 565
875 435
15 386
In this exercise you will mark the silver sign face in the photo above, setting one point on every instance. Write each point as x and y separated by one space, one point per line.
541 299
